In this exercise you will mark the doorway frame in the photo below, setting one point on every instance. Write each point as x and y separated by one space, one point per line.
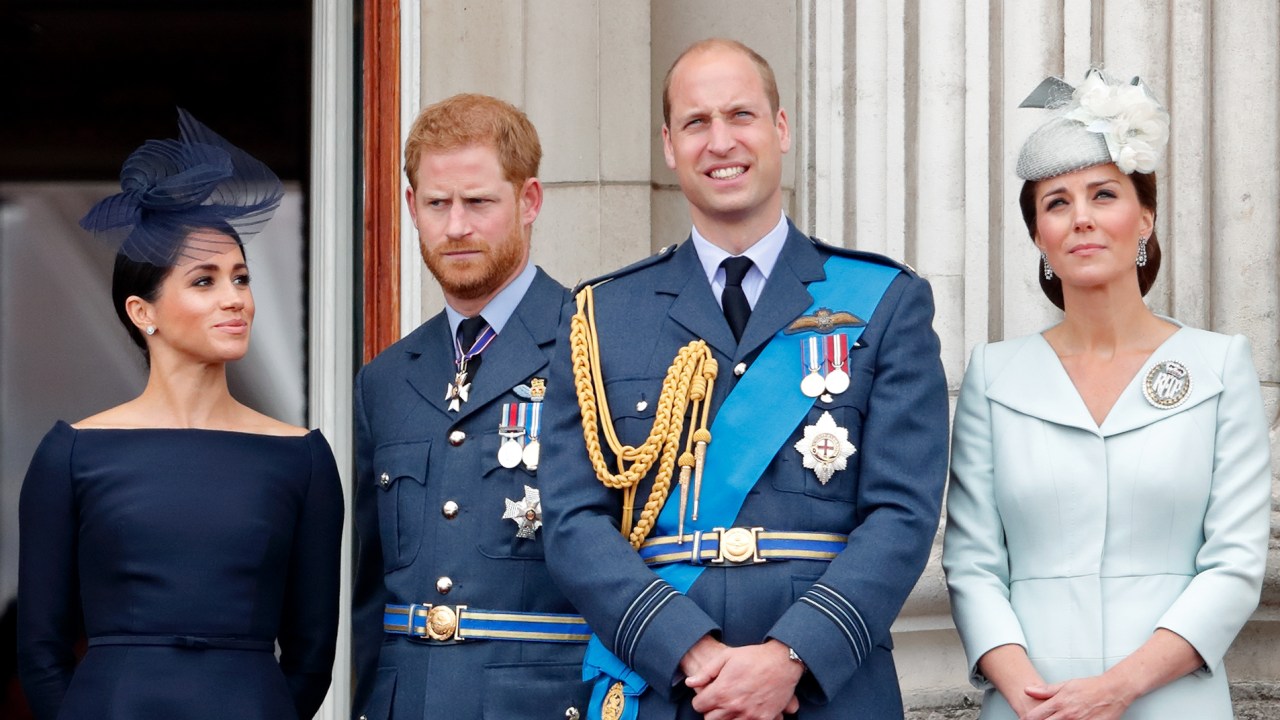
331 350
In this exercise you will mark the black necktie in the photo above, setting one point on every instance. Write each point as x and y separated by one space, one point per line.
468 330
733 299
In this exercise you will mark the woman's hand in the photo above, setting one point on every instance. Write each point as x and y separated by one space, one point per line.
1100 697
1008 668
1163 658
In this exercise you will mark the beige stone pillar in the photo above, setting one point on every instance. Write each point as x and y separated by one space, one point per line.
580 70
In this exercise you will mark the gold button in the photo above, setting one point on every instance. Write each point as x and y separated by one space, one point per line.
457 437
444 585
385 480
450 510
740 369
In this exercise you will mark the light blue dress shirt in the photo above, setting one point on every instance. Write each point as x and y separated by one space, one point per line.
500 308
764 254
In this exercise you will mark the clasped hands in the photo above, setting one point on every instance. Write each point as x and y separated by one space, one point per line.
1087 698
752 682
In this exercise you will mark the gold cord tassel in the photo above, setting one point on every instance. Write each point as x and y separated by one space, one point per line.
689 379
686 466
701 437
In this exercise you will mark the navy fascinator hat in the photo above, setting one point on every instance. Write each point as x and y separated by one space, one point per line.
170 188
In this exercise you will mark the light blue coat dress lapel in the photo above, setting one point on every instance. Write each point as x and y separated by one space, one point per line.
1050 395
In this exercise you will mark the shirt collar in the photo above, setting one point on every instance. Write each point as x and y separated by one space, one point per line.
764 253
502 306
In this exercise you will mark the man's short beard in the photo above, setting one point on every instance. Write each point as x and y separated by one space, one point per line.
499 264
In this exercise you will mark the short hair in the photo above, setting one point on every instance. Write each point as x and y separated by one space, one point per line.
1145 185
472 119
762 65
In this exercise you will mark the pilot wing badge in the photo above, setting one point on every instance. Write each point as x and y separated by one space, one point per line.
823 321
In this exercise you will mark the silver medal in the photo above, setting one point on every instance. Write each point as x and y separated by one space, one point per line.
813 385
837 381
530 456
509 454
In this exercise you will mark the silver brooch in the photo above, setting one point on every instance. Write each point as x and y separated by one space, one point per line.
1167 384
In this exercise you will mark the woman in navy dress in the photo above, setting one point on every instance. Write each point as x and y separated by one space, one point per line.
185 534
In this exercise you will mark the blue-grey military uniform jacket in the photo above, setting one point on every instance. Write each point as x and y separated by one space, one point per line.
836 615
408 540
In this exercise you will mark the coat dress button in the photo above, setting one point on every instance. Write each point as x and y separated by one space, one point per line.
444 585
457 437
449 510
385 480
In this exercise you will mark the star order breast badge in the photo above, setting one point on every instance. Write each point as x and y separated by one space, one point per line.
825 447
526 513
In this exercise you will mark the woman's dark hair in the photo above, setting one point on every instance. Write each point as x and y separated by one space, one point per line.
131 277
134 277
1145 184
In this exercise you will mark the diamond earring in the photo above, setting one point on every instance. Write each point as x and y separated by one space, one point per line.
1048 271
1142 252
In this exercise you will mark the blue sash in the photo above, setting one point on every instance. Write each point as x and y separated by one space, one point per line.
742 446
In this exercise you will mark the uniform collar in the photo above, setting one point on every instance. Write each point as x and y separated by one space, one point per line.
764 252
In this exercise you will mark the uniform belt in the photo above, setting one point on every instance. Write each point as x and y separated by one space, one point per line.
458 623
195 642
741 546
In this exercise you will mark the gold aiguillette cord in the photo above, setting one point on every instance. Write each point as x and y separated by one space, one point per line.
690 380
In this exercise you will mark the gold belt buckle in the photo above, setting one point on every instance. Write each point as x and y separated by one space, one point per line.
738 546
441 622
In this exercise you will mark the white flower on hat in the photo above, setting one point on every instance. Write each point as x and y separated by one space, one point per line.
1134 125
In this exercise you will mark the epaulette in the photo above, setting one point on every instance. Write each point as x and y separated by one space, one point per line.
660 256
865 255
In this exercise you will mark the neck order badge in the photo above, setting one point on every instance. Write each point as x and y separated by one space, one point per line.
476 334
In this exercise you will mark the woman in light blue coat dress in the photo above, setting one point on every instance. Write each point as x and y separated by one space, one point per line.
1110 477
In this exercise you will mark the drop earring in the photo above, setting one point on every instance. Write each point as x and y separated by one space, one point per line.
1142 252
1048 271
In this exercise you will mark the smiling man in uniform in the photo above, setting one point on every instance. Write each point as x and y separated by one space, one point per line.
750 477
